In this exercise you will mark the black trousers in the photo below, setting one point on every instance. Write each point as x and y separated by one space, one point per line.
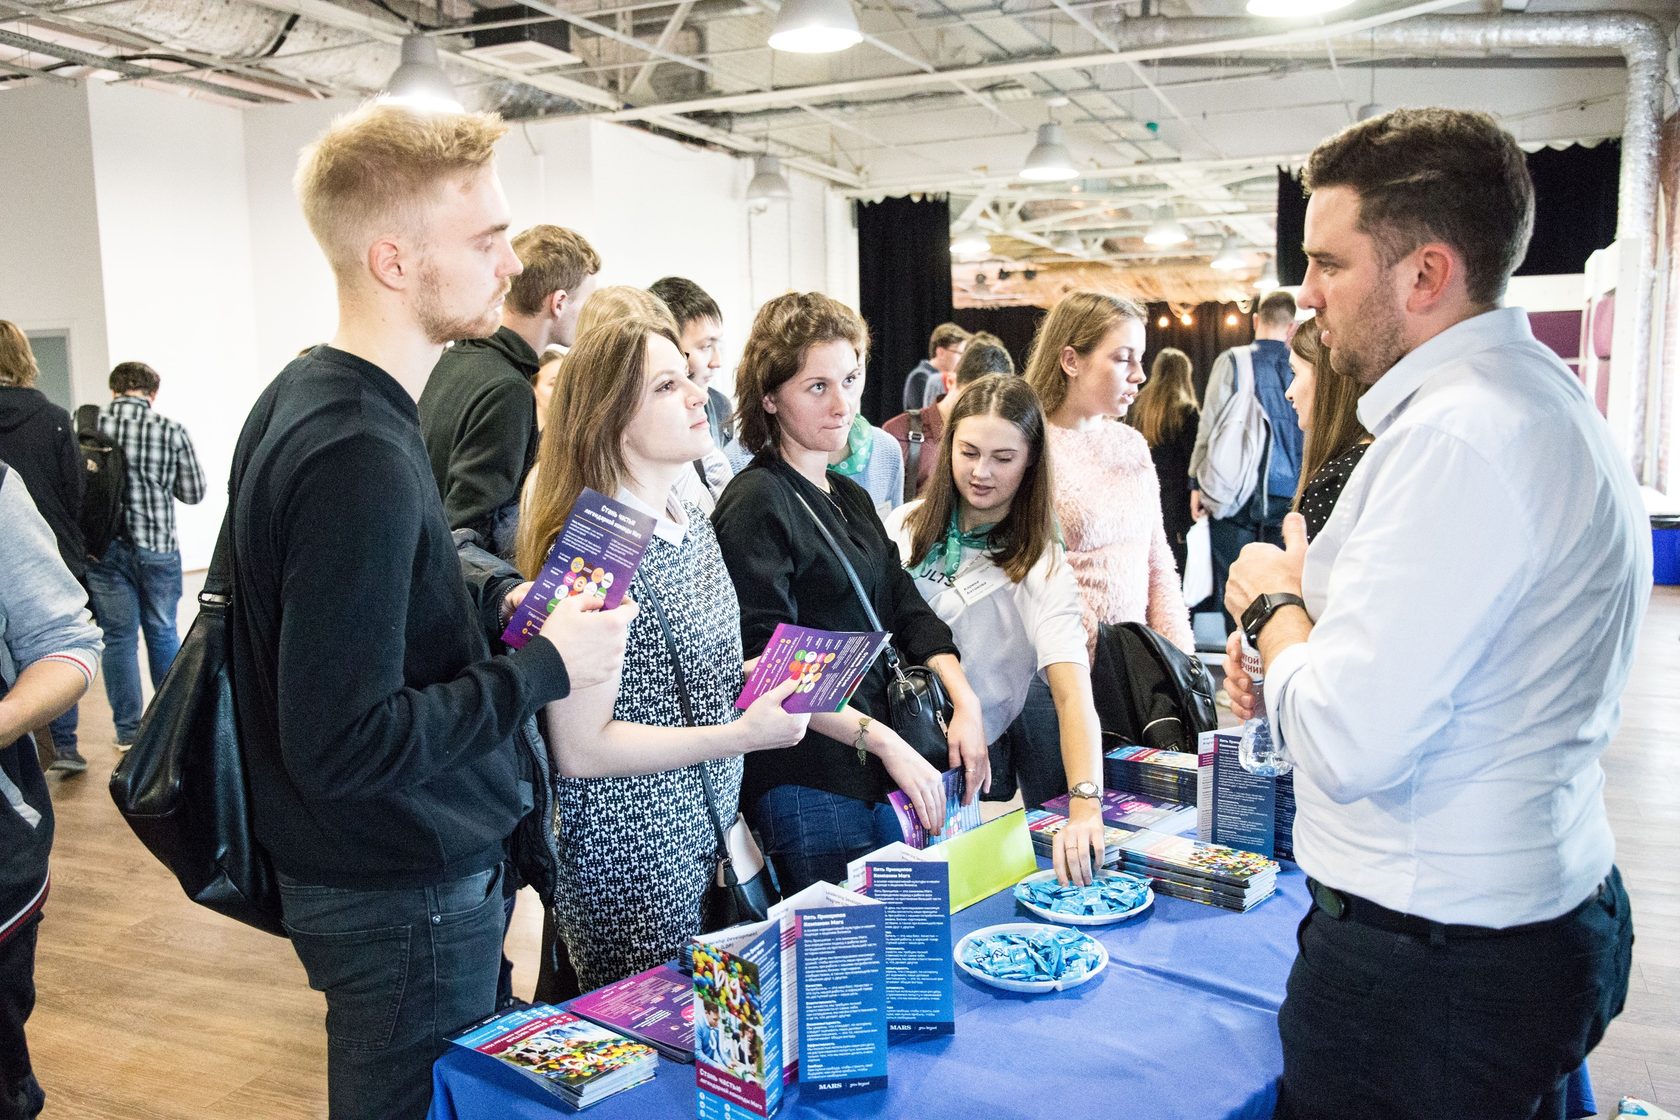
20 1093
1384 1024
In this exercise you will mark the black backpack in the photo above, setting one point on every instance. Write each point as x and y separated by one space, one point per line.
1148 691
105 502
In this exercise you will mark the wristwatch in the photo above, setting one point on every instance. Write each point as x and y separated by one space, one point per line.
1260 612
1088 790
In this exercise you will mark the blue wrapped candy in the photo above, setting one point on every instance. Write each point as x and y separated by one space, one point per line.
1108 896
1038 957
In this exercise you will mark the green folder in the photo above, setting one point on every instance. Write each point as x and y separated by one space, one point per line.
990 858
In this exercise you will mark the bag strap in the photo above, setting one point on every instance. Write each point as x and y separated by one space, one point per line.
914 441
845 564
650 599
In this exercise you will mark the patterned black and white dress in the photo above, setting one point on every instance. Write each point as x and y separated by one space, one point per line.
637 852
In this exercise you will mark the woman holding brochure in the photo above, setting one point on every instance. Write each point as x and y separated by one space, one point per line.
636 842
981 545
824 803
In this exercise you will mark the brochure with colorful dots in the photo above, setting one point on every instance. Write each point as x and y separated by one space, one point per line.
596 554
828 664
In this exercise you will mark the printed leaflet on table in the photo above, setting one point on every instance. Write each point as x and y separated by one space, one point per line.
738 1021
655 1007
596 554
1156 774
828 664
578 1061
1241 809
921 983
1130 810
1180 867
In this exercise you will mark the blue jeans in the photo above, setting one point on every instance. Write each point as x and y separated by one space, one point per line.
131 589
63 731
811 834
1028 755
401 970
1227 536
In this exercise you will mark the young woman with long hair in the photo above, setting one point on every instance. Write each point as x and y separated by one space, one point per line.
636 843
1087 364
823 803
1166 413
981 544
1326 406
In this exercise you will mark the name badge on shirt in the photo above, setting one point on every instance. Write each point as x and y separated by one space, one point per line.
973 586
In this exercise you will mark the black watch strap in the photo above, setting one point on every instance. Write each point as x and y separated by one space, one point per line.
1260 612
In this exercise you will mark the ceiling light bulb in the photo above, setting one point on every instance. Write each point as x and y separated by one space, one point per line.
1230 257
1294 9
419 81
767 181
1164 228
1049 159
815 27
969 242
1268 278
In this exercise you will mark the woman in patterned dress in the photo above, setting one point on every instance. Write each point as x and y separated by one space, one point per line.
636 843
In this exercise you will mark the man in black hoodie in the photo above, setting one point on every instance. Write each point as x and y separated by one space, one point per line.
39 442
478 416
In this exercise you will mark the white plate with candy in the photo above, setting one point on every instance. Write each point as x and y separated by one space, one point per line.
1114 896
1031 957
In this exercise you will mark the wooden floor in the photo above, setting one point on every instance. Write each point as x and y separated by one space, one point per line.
150 1007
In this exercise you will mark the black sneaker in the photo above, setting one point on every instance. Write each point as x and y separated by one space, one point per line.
72 763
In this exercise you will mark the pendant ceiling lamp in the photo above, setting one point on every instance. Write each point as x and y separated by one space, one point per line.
1268 278
1165 229
768 182
1049 159
815 27
419 81
1230 256
969 242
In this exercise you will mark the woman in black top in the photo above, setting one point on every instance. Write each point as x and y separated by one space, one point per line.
821 804
1326 406
1166 414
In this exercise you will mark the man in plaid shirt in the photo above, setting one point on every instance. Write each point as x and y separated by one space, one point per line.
137 583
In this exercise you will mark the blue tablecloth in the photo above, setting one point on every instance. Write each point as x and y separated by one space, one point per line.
1182 1023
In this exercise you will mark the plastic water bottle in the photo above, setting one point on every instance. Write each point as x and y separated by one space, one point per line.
1258 752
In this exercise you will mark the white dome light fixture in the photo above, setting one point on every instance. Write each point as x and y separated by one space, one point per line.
1164 228
419 82
1049 160
815 27
1230 256
768 182
1268 281
1068 242
969 242
1294 9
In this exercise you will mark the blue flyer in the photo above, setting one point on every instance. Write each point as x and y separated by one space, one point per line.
842 998
921 987
1244 810
738 1021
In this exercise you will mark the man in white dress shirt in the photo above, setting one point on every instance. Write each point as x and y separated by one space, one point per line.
1455 670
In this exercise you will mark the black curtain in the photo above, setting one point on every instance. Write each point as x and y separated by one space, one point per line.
1214 328
1014 327
1574 211
904 291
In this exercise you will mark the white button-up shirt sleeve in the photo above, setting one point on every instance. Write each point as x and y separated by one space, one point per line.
1418 593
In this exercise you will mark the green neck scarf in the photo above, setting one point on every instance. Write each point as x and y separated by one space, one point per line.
947 554
860 441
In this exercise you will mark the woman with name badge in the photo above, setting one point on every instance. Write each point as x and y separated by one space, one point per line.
637 848
981 544
790 526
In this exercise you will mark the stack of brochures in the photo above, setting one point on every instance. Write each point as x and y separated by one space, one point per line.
1211 874
655 1007
578 1061
1131 810
1155 774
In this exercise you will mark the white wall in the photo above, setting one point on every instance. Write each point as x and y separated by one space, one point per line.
159 228
50 276
175 247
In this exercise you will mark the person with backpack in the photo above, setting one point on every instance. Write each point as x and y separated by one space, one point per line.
37 441
49 652
136 583
981 545
1247 462
919 430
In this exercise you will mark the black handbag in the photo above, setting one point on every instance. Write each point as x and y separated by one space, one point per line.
183 787
729 900
1148 691
917 705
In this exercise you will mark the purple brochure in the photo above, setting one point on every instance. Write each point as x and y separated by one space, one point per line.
828 664
595 554
655 1007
